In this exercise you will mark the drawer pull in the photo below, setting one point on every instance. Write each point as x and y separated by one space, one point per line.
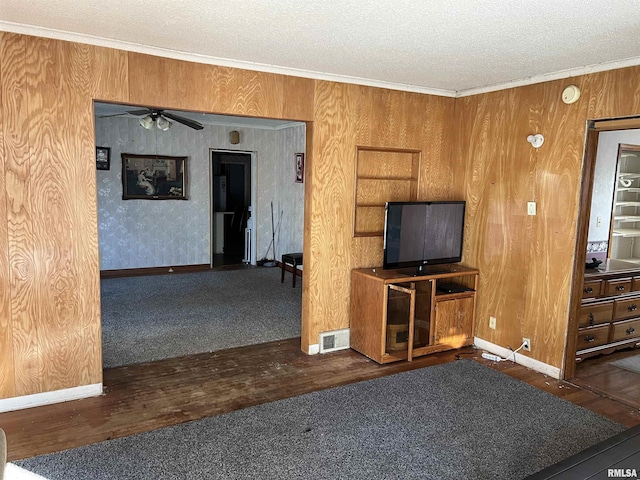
590 338
620 288
592 319
630 330
633 307
588 290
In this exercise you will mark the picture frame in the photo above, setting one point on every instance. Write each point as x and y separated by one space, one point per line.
299 167
103 158
154 177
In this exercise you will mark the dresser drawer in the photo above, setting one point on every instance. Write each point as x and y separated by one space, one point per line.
626 308
595 314
635 284
626 329
591 288
593 337
617 286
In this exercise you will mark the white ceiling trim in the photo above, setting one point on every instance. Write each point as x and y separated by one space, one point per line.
255 66
223 62
572 72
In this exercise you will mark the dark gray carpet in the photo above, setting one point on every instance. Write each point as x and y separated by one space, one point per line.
165 316
460 420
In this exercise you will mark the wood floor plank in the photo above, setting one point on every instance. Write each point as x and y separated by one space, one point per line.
145 397
598 374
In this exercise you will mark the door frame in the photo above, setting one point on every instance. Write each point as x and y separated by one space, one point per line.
594 127
252 209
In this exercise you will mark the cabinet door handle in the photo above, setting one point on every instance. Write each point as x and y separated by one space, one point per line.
630 330
592 319
633 307
588 290
620 288
590 338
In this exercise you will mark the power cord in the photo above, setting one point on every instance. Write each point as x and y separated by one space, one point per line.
497 358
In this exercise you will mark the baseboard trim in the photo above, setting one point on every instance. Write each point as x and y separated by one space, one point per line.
523 360
47 398
138 272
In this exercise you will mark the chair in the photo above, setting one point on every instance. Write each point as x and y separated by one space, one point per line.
291 262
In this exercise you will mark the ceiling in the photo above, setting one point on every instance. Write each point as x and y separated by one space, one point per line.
445 47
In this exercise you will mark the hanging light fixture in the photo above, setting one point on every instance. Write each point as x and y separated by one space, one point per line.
146 122
163 124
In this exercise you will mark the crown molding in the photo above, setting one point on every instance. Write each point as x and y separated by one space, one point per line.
222 62
569 73
262 67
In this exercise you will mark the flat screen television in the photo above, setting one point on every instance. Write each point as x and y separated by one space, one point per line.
423 233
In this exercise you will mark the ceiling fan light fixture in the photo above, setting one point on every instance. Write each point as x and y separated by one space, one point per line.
146 122
163 124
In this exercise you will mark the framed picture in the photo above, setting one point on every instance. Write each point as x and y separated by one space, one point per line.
299 167
153 177
103 158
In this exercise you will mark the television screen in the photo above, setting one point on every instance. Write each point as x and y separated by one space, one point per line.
423 233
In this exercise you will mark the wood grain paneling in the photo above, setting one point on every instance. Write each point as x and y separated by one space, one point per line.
6 321
526 262
63 210
27 361
385 164
329 210
162 82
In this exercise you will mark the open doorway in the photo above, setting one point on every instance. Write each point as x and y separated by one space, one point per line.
148 312
232 222
602 332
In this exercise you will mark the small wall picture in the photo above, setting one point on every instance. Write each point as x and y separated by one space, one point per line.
299 167
103 158
153 177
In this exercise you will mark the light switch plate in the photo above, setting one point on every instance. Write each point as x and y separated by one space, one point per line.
531 208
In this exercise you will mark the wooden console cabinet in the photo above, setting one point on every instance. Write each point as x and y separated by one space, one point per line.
610 310
398 315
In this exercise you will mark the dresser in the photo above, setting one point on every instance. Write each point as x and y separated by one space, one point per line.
609 316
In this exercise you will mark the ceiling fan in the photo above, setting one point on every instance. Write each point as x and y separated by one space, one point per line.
152 115
160 118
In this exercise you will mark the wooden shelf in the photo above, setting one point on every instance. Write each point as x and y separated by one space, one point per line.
626 232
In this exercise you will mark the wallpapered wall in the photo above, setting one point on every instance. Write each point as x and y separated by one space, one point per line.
148 233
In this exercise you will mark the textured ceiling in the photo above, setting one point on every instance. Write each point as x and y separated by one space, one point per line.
447 47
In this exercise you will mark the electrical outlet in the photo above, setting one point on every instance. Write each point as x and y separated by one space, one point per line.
531 208
527 344
492 322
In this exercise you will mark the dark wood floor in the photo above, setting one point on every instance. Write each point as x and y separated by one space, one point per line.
599 375
144 397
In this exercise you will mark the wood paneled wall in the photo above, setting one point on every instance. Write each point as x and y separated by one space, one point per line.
347 117
49 275
50 290
473 148
526 262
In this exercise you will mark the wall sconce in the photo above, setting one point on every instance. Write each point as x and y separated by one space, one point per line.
536 140
234 137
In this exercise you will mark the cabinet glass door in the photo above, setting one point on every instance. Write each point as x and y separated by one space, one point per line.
400 307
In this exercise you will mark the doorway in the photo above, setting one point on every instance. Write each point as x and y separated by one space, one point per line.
232 195
606 227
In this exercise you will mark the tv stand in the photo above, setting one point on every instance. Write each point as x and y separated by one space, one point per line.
399 314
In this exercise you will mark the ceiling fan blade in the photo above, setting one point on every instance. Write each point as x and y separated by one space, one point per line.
112 115
146 111
185 121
